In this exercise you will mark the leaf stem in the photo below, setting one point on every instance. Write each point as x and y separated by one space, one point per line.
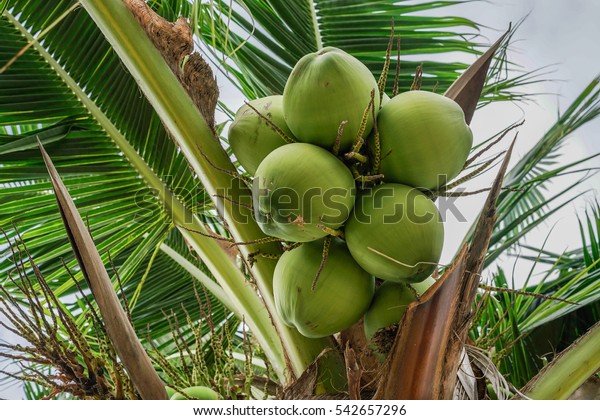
569 370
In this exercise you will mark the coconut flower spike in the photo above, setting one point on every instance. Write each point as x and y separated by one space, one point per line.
260 241
445 190
418 80
251 258
397 78
365 179
376 145
359 140
244 178
287 246
386 65
326 246
477 155
331 232
468 176
338 139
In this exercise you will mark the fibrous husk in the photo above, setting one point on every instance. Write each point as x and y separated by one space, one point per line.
175 43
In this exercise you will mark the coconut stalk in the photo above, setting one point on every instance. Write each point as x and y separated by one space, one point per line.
204 153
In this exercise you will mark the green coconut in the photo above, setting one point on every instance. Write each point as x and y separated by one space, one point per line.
401 223
300 187
324 89
341 295
389 304
251 137
170 391
424 139
385 99
197 393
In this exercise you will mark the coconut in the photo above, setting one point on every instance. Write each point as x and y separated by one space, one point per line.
341 296
300 187
424 139
389 304
170 391
197 393
324 89
385 99
395 233
251 137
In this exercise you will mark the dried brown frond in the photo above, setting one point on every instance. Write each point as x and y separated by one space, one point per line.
175 43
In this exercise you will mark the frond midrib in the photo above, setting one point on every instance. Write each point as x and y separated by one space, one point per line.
315 21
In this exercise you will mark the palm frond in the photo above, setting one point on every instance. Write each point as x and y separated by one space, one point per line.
525 203
42 96
258 43
585 108
526 328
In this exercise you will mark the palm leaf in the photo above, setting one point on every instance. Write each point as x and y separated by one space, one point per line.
258 43
115 189
525 330
526 204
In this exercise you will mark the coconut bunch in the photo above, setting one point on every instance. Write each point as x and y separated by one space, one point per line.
343 176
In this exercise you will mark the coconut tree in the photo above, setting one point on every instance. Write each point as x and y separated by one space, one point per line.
125 110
